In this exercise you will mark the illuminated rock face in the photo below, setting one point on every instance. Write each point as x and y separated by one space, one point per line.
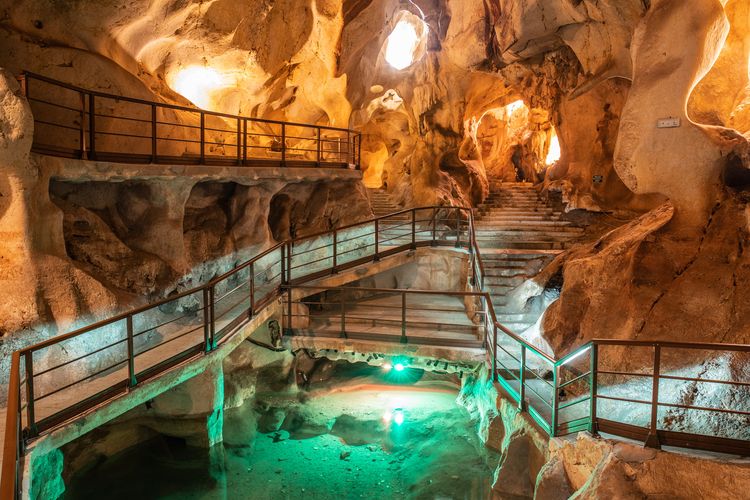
434 86
595 468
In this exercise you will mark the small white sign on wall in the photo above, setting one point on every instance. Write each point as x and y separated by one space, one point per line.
668 123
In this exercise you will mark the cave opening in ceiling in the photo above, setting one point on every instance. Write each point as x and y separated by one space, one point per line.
406 43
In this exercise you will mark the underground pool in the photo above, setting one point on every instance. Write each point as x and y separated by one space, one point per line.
367 432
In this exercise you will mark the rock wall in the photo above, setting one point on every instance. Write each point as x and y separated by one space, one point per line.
600 468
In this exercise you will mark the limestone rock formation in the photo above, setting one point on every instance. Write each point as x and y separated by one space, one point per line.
597 468
34 265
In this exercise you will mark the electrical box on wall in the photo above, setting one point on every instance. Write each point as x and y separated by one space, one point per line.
668 123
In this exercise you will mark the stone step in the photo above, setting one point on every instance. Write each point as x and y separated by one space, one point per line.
499 289
510 202
523 245
509 194
515 226
504 282
490 235
525 318
501 258
521 217
511 272
551 228
519 211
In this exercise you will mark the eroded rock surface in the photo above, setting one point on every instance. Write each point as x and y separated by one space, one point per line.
599 468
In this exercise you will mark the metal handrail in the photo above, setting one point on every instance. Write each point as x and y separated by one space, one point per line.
16 437
87 132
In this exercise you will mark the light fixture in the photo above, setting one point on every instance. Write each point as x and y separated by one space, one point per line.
387 366
399 367
398 416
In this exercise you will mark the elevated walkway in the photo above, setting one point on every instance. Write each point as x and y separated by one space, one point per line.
73 377
72 122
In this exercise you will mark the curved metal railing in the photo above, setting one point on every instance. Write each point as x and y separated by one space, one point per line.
562 396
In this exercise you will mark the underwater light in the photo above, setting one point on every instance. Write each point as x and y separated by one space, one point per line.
398 416
387 366
399 367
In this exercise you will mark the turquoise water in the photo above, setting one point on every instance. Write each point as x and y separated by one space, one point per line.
359 440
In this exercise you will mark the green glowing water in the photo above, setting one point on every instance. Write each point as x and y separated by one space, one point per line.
366 441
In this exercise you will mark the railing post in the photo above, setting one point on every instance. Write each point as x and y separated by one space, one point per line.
377 240
413 228
555 399
28 361
23 82
92 128
470 221
212 297
206 320
319 145
283 144
494 353
82 128
252 285
153 133
132 382
343 315
286 256
239 141
458 227
593 428
522 380
359 151
289 310
348 147
434 225
335 244
203 138
403 318
652 441
289 248
244 140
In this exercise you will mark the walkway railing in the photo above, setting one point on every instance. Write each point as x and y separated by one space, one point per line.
57 380
73 122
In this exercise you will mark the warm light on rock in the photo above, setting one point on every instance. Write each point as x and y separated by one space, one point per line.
197 83
403 42
554 150
511 108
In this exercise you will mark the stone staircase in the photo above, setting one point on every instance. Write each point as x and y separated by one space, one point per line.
515 217
381 202
518 233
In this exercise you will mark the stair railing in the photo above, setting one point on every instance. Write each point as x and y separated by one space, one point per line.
120 353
